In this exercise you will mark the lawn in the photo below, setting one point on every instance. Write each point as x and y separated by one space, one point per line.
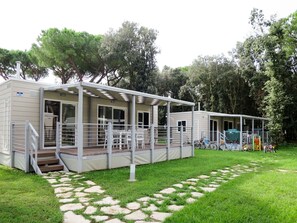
26 198
268 195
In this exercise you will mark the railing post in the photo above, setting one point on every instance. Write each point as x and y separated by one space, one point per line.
181 141
58 132
152 143
168 130
11 145
109 144
192 130
27 145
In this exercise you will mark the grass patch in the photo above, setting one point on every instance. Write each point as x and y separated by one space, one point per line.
26 198
154 177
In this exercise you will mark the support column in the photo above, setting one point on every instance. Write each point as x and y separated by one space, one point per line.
168 130
109 145
80 132
133 130
41 118
192 130
152 143
240 132
181 140
263 128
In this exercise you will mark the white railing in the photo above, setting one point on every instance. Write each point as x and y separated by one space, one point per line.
32 138
96 136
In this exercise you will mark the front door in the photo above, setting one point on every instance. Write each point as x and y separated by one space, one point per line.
65 113
213 130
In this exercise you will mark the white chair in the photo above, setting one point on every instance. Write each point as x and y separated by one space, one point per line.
139 138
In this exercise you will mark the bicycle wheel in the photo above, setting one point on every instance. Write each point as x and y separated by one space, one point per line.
213 146
223 147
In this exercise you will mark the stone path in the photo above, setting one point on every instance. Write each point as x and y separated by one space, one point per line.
82 201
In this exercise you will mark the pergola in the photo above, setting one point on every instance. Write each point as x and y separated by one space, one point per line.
84 89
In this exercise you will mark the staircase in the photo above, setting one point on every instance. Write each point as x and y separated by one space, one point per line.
48 161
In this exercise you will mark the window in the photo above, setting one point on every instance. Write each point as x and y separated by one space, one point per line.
228 125
143 120
181 123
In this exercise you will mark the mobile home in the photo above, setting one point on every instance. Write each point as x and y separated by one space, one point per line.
84 126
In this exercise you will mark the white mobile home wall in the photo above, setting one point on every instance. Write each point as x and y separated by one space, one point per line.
19 101
201 122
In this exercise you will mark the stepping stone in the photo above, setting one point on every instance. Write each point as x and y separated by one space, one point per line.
84 199
203 177
224 171
169 190
90 210
214 185
91 183
175 207
178 185
137 215
208 189
152 207
52 181
114 210
190 183
160 216
114 221
143 199
133 206
79 189
80 194
61 185
190 200
196 194
158 196
98 218
213 172
160 202
70 217
181 194
107 201
71 207
193 179
76 176
192 188
235 175
66 200
60 190
95 189
65 179
65 195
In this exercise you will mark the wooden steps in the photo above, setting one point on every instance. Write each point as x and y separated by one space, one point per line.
47 161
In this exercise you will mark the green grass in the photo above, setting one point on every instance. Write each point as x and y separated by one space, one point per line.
26 198
154 177
264 196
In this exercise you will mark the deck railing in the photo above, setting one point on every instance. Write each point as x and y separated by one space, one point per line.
96 136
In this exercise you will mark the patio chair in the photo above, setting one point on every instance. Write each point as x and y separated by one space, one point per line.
139 138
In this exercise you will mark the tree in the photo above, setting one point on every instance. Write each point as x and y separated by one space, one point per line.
70 54
29 66
135 63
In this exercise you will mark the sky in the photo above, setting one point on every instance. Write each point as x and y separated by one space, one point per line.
186 28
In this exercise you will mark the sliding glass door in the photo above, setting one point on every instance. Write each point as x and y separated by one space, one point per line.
63 112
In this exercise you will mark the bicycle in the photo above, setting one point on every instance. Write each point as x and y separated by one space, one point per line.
204 143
